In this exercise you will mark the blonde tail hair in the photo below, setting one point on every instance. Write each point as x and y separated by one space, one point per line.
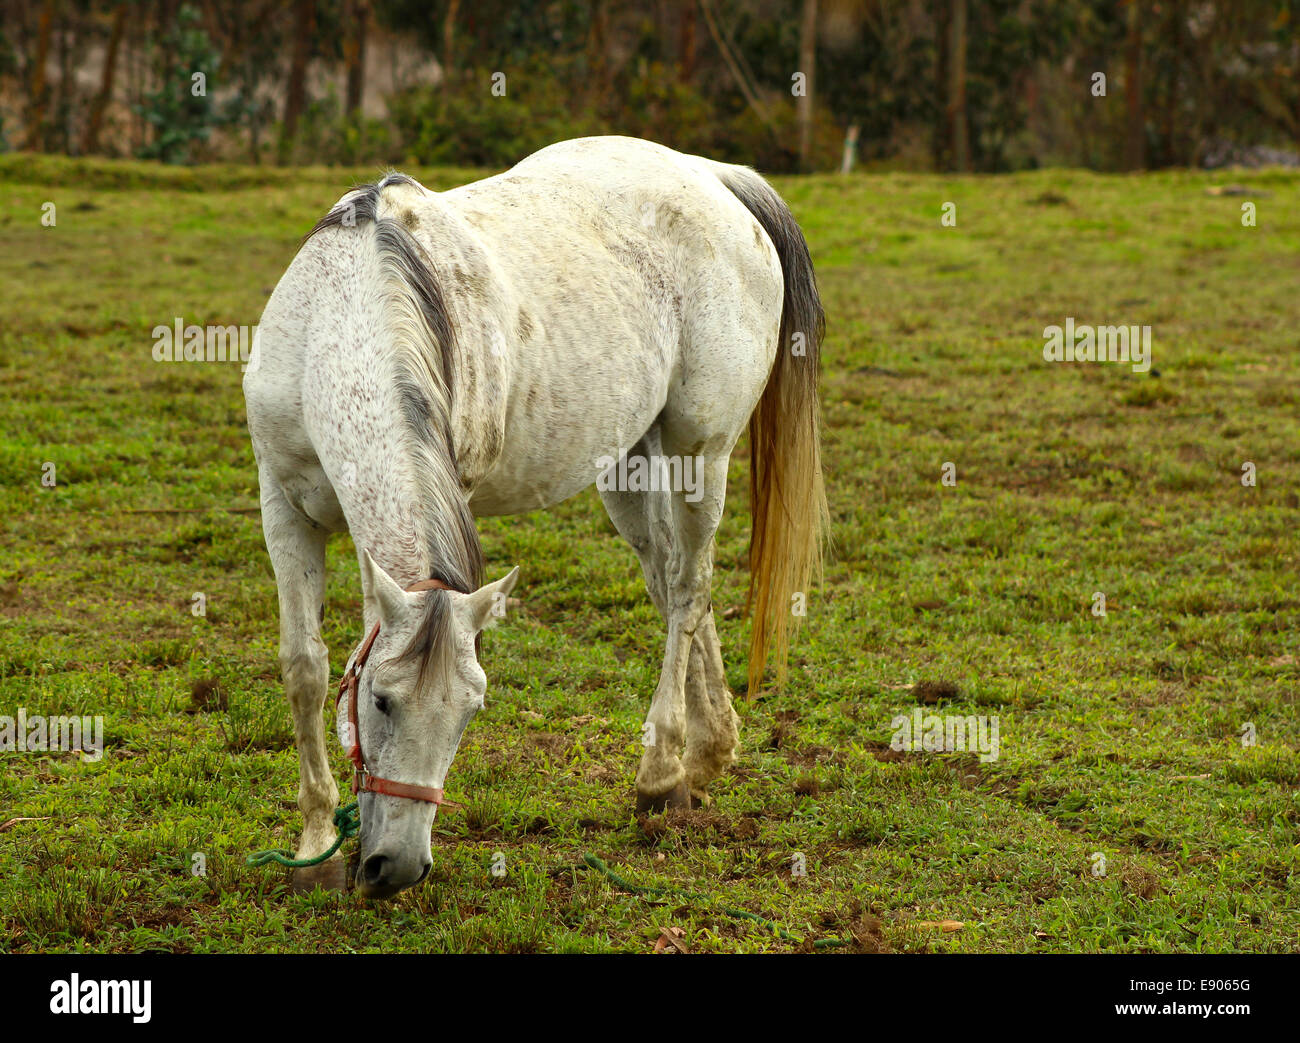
787 495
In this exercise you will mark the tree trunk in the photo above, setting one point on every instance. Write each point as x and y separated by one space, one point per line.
1169 132
449 39
1135 139
38 92
90 140
957 117
733 66
354 52
296 95
62 138
941 139
598 52
686 41
807 64
1034 121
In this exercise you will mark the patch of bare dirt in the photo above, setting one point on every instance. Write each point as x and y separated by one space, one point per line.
931 692
205 696
697 825
1141 882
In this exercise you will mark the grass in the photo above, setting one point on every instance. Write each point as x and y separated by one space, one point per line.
1120 734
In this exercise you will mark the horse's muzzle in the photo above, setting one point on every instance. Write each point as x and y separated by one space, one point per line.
382 875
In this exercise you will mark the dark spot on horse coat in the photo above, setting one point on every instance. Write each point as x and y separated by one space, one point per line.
470 283
525 326
493 439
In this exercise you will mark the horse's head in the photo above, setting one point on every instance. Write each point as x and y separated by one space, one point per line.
418 688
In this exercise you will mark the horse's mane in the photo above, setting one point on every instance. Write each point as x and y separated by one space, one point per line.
422 342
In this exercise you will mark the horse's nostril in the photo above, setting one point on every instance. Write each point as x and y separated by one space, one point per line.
424 871
374 869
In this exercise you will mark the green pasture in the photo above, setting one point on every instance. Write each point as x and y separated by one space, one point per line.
1146 796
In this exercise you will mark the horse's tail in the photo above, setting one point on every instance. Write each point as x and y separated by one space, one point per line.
787 497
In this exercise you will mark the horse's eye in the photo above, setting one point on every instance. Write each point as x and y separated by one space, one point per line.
381 704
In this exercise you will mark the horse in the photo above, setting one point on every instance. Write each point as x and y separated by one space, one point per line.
605 310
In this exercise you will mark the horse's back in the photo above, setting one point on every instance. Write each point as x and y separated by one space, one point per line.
619 243
618 188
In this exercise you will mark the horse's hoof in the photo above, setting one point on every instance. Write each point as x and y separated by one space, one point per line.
328 876
677 797
700 799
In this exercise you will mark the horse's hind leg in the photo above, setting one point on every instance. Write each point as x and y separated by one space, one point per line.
712 728
662 777
645 520
297 550
699 711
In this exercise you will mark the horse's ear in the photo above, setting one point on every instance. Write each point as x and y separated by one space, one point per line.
389 598
488 604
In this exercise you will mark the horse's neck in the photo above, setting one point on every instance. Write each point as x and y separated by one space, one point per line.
486 317
399 488
389 517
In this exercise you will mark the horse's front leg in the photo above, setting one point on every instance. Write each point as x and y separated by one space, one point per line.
297 550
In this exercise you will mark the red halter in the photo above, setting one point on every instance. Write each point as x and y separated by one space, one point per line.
362 780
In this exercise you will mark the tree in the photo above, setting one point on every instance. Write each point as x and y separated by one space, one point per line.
90 139
1136 133
449 38
354 51
180 116
807 66
686 40
295 98
38 93
958 120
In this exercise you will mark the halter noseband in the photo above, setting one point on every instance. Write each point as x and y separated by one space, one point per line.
362 780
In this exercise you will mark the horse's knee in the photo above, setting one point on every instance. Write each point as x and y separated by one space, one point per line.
305 671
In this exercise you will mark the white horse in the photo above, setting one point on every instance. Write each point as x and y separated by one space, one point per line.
431 357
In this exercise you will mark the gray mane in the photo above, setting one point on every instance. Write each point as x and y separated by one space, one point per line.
426 388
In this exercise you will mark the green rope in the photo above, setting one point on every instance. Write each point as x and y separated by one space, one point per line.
347 820
820 943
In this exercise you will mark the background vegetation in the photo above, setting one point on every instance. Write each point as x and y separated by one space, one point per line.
924 84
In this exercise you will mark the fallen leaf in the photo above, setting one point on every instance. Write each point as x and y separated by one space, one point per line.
670 941
947 926
1235 190
5 826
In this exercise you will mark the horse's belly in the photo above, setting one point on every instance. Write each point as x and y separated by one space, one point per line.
509 492
534 473
554 447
